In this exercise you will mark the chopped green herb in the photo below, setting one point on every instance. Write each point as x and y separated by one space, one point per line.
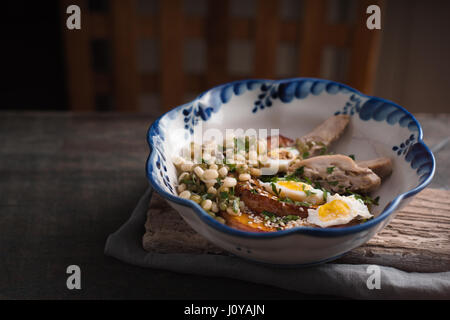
224 195
325 194
330 169
231 167
366 199
287 200
299 171
290 217
352 156
268 213
307 180
291 177
302 204
333 183
253 191
305 154
209 196
274 189
269 179
323 151
236 205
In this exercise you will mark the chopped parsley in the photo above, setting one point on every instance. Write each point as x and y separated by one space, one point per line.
366 199
330 169
302 204
236 205
305 154
231 167
325 195
269 178
224 195
299 171
287 200
333 183
289 217
323 151
274 189
352 156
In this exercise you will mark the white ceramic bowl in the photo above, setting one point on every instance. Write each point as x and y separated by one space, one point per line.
378 128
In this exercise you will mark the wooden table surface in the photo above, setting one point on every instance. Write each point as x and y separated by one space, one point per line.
69 180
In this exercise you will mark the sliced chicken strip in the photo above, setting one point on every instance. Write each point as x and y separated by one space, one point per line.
282 142
337 173
381 166
323 135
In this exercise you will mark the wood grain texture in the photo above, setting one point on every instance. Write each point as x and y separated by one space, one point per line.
416 240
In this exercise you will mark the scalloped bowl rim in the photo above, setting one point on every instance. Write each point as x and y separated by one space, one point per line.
313 231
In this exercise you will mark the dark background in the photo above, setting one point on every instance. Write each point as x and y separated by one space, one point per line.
32 69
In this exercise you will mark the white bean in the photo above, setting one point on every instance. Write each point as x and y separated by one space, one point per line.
212 190
210 174
185 194
223 171
240 158
255 172
214 207
199 171
187 166
229 182
231 212
210 183
207 204
182 176
181 187
244 177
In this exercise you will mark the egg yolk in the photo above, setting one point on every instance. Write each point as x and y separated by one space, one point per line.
295 186
333 210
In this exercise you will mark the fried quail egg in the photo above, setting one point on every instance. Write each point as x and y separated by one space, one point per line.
338 210
295 190
279 159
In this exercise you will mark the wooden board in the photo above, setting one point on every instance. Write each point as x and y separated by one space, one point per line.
416 240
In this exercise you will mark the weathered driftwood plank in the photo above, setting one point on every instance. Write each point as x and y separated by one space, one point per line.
417 239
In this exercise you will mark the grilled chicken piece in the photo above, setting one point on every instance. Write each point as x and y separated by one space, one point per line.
381 166
261 200
338 173
323 135
282 141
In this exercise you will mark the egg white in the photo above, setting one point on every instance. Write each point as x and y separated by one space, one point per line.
357 209
314 196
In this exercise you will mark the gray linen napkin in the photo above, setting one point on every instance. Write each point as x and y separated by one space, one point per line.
344 280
